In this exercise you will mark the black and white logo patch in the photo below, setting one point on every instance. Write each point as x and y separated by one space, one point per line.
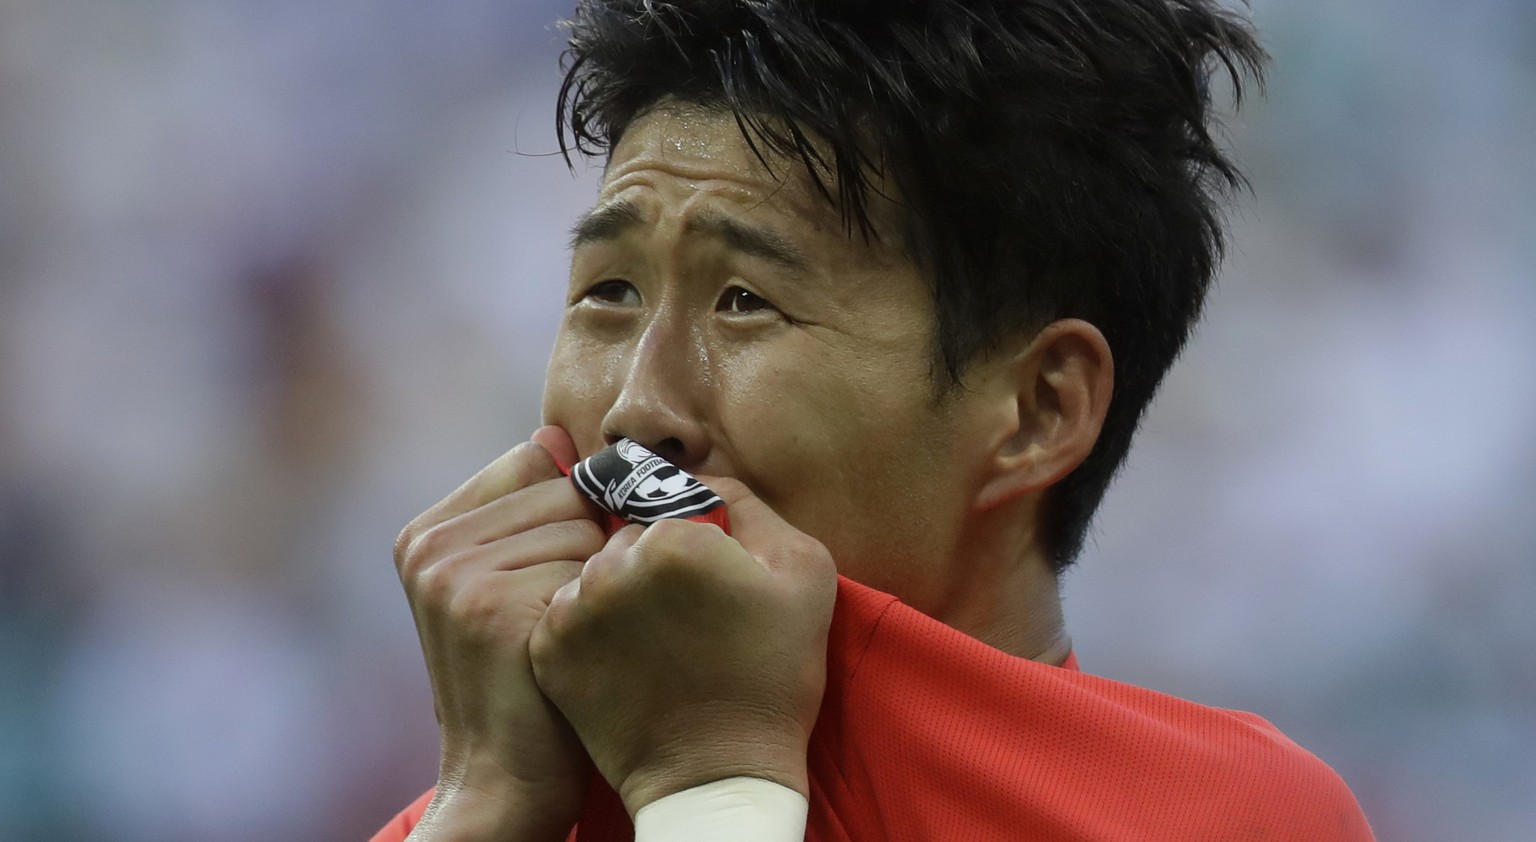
637 485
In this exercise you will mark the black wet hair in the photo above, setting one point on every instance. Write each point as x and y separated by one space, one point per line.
1055 157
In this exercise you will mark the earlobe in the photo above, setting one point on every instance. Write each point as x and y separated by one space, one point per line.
1058 387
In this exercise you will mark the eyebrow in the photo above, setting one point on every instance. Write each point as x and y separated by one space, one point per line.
605 223
611 221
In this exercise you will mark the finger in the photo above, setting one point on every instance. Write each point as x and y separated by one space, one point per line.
604 564
556 618
457 598
752 521
770 539
547 579
564 540
546 501
625 538
565 596
514 470
559 444
451 576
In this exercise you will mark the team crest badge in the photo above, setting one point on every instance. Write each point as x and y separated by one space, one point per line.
635 484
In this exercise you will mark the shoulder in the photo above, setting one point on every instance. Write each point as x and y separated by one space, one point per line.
1067 754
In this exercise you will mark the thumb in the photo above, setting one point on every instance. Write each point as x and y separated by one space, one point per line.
758 528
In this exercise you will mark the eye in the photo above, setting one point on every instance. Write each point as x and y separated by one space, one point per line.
616 292
738 300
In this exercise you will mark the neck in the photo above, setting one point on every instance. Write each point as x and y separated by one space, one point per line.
1003 591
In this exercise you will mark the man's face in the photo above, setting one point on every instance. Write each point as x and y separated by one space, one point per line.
723 316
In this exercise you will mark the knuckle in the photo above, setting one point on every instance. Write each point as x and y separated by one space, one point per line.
432 585
663 542
811 560
600 575
667 532
546 656
541 644
549 641
403 543
471 607
409 552
416 549
540 656
592 571
802 546
673 549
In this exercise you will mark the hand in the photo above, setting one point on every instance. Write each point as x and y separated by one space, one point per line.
479 570
683 655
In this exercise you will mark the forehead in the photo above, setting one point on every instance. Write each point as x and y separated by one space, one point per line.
681 133
694 155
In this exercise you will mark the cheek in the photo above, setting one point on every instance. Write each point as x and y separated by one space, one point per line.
829 437
580 386
781 432
886 517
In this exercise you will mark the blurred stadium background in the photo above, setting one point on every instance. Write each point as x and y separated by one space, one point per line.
277 274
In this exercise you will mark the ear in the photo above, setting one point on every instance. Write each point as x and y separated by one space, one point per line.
1054 394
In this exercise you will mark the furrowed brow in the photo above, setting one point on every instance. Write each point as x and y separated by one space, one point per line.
605 223
753 240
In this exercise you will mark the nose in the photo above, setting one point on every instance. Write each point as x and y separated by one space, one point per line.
661 402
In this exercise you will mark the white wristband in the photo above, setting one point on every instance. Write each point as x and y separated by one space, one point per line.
740 809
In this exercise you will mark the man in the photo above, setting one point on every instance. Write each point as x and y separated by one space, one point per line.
896 279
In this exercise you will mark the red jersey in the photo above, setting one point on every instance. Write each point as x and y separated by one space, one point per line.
926 733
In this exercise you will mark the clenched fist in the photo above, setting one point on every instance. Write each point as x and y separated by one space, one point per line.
479 570
682 655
